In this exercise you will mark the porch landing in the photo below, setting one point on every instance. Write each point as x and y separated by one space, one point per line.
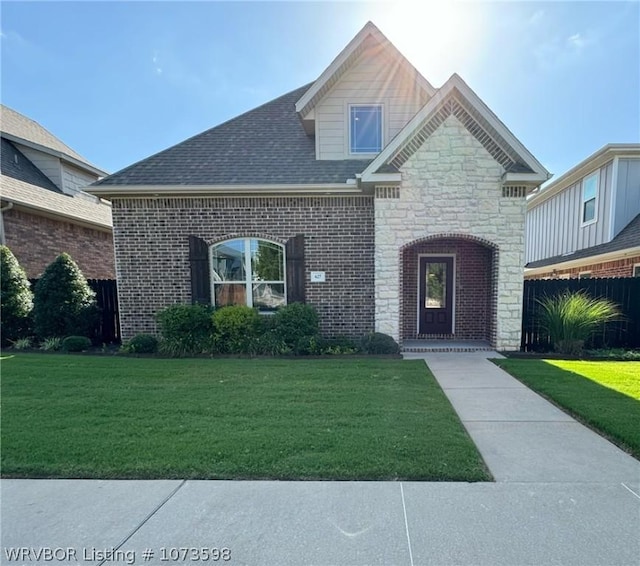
446 346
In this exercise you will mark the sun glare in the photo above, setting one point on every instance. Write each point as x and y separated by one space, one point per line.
438 38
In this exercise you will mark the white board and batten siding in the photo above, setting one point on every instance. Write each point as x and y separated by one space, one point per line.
627 201
375 78
554 227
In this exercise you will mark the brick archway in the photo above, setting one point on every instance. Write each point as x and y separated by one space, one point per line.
475 284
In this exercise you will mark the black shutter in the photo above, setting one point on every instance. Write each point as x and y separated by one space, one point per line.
294 249
200 279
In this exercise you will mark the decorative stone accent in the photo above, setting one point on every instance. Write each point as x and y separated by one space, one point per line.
451 188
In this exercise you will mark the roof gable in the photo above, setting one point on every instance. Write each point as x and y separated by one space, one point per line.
369 35
19 128
16 165
456 98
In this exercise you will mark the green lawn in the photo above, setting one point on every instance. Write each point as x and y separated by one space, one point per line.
603 395
112 417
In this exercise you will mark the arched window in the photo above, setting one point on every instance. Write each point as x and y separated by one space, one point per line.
248 271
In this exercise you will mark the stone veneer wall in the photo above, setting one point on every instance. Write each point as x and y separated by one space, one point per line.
151 239
37 240
452 186
473 286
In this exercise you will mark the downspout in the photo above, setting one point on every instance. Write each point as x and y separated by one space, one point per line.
2 210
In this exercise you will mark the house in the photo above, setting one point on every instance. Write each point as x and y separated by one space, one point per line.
587 222
384 202
44 210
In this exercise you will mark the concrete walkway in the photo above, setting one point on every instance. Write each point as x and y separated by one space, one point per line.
563 496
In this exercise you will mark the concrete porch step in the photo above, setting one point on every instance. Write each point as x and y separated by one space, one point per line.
446 346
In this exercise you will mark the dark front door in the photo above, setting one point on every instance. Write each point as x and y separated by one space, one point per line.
435 295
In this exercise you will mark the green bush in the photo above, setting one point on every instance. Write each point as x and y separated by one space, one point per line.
571 318
185 329
76 344
237 329
296 324
63 301
22 343
141 344
51 344
338 346
378 343
16 298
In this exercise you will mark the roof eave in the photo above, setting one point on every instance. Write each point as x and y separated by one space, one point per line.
59 154
587 260
591 163
108 191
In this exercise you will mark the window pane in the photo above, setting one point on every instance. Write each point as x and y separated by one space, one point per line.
366 129
267 261
227 261
590 188
268 296
229 294
436 285
589 212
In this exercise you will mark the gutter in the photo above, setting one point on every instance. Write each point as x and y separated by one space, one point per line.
2 210
589 260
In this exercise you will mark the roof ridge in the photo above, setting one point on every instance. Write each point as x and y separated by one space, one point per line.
202 133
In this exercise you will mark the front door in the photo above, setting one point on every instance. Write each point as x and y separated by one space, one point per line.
435 295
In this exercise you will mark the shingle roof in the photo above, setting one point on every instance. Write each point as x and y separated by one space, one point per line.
15 124
14 164
83 208
267 145
629 237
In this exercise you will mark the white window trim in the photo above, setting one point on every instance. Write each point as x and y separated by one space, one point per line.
365 155
453 291
248 282
580 275
633 270
595 174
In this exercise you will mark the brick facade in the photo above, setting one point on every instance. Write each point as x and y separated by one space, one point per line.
151 239
37 240
474 309
618 268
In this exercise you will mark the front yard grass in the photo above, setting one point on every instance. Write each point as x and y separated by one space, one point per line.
603 395
109 417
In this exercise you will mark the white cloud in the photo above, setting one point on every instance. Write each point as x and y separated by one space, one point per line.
156 64
577 41
536 17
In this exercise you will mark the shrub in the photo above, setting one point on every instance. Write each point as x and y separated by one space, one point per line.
16 298
51 344
295 324
22 343
337 346
237 329
572 318
76 344
63 301
185 329
141 344
378 343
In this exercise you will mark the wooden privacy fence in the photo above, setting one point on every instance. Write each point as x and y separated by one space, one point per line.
623 291
107 328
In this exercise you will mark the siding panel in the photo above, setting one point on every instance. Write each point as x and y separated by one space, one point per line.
628 197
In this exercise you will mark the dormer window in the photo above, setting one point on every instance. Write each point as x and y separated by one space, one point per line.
365 128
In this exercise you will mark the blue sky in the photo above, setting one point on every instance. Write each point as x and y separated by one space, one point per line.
119 81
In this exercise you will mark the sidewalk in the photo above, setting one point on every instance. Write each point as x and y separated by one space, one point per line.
562 496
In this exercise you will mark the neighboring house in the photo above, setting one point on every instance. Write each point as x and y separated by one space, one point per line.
382 201
587 222
44 211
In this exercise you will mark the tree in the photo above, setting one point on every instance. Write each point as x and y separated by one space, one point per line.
63 304
16 299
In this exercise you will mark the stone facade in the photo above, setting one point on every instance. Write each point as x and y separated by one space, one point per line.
37 240
617 268
151 239
451 187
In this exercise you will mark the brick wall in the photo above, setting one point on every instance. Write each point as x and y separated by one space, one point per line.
37 240
473 285
618 268
151 239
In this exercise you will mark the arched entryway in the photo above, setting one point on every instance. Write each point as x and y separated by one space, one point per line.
448 288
